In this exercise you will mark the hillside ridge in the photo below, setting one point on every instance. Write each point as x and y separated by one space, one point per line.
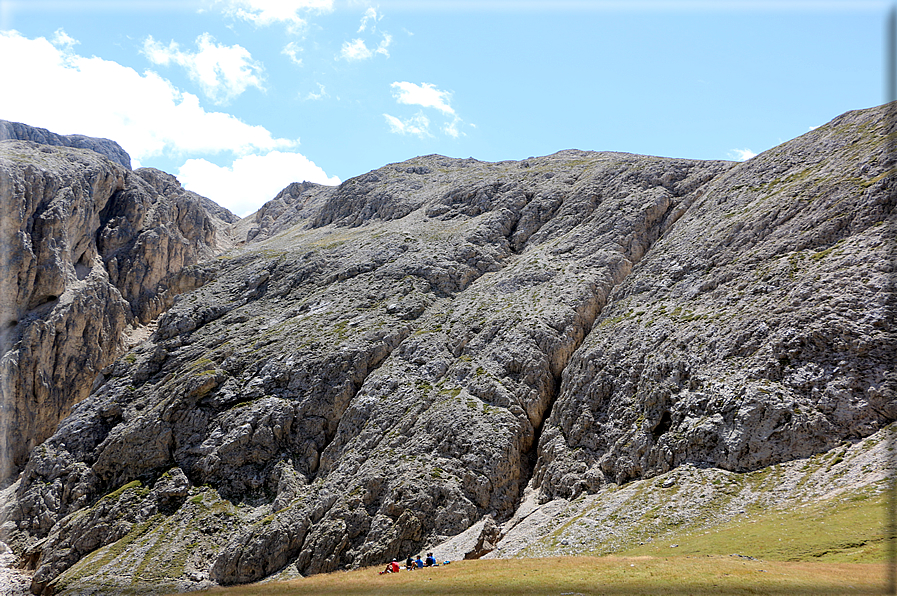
380 366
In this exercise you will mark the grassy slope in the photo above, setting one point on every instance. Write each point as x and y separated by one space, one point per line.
849 529
830 547
593 576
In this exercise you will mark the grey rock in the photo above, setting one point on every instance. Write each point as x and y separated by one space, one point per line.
486 541
755 331
16 131
90 251
385 364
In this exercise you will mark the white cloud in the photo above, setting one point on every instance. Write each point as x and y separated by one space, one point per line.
451 128
222 72
62 40
428 96
321 94
267 12
425 95
418 125
250 180
741 154
357 50
292 50
145 113
384 43
369 15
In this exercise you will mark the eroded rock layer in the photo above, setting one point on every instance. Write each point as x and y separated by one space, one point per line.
89 249
388 362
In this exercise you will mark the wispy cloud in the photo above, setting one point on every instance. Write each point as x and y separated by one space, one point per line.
591 6
451 128
222 72
741 154
321 94
384 43
292 50
356 49
369 15
63 41
267 12
425 95
418 125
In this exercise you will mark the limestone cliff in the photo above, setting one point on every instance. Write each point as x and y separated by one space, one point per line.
16 131
386 363
90 251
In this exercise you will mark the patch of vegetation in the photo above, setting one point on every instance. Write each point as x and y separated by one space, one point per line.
134 484
590 576
340 329
870 182
424 387
91 564
842 530
818 256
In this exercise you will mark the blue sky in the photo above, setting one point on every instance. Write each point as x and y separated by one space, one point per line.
240 97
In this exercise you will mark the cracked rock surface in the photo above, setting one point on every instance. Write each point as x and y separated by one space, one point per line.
90 250
439 343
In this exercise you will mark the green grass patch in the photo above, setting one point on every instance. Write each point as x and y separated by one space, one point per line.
843 530
135 484
591 576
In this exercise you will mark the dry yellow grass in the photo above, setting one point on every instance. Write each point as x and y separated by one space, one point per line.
594 576
833 547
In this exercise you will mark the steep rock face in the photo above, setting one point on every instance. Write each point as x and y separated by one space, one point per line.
294 204
756 331
390 361
16 131
90 248
320 378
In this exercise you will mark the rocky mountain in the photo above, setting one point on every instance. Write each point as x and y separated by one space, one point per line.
92 252
443 344
17 131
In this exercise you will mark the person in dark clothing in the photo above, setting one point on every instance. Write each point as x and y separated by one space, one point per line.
430 561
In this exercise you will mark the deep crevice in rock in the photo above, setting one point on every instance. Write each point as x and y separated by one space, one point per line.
375 365
654 232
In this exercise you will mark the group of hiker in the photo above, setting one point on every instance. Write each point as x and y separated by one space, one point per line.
411 563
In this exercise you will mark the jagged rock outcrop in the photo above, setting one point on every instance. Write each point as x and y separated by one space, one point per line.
294 204
90 249
758 330
388 362
16 131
